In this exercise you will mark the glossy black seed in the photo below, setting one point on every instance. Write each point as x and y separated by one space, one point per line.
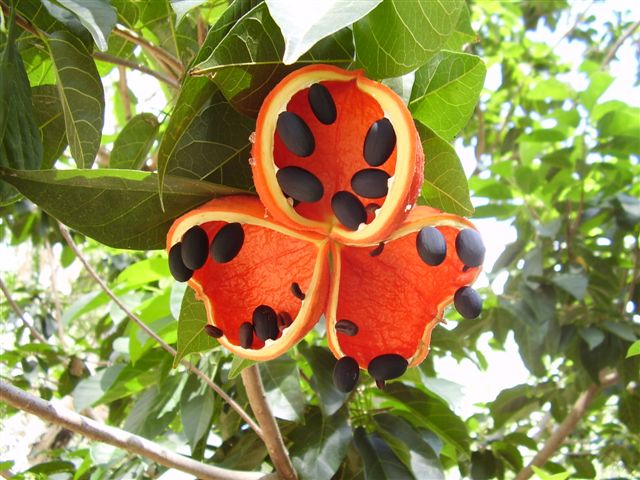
322 104
178 269
295 134
379 142
297 291
348 209
346 327
246 335
300 184
212 331
284 320
370 183
195 248
346 374
265 323
470 247
431 246
386 367
377 251
468 302
227 243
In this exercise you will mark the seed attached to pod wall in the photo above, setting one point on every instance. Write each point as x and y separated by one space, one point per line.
284 320
300 184
470 248
370 183
322 104
246 335
178 269
297 291
468 302
387 366
195 247
431 246
227 243
346 327
379 142
348 210
295 134
265 323
346 374
212 331
377 251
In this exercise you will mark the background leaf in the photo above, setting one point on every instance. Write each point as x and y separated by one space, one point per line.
191 335
50 118
132 146
96 15
282 387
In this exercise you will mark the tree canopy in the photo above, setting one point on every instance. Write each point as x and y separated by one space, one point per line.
99 340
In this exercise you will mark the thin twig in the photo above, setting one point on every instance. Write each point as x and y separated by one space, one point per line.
54 291
14 306
480 144
272 437
123 88
114 436
559 435
168 348
105 57
614 48
579 19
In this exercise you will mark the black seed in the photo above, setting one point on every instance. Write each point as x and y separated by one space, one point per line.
470 247
246 335
300 184
388 366
345 374
377 251
265 323
370 183
295 134
468 302
379 142
348 209
380 384
284 320
346 327
195 247
178 269
297 291
431 246
466 268
227 243
322 104
212 331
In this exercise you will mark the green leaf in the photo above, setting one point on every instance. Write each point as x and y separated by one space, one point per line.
584 467
622 330
303 24
483 465
281 381
20 145
96 15
379 460
599 83
50 119
547 476
575 283
624 122
628 409
245 71
196 410
191 335
119 208
550 89
194 94
182 7
238 364
322 363
445 184
593 336
406 442
634 349
463 32
446 90
509 453
429 412
91 389
81 94
320 445
399 36
132 146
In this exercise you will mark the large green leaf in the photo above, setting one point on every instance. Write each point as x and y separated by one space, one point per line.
303 24
446 91
320 445
322 363
81 94
191 335
281 381
50 118
132 146
430 412
194 94
247 70
196 410
20 145
96 15
119 208
445 184
380 462
399 36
